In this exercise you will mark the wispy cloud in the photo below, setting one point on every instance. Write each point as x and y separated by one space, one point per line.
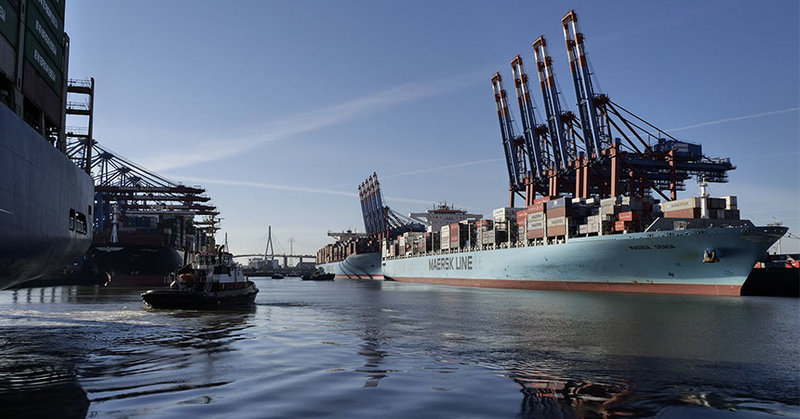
440 168
287 127
271 186
738 118
292 188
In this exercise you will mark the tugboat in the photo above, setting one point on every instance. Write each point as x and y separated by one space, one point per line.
319 275
213 280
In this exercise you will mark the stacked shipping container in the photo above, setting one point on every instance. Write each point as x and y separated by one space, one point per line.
38 59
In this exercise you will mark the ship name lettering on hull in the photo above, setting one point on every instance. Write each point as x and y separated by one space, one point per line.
450 263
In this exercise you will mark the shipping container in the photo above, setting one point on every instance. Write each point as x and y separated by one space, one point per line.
688 203
535 216
9 23
51 41
557 203
484 225
541 200
504 214
622 226
605 202
730 202
534 234
629 216
683 213
539 207
51 14
558 212
535 225
716 203
632 203
522 217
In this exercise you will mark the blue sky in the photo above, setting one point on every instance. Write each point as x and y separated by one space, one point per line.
281 108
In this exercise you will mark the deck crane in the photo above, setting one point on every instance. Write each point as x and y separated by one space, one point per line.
581 78
516 149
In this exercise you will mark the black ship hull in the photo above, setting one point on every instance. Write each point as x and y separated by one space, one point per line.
134 264
45 205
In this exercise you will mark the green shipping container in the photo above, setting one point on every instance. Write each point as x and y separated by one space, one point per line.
49 40
59 6
34 54
8 22
49 13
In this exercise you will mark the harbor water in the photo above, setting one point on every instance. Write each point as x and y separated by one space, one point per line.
366 349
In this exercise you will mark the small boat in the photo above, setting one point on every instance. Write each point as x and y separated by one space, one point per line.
277 276
318 276
213 280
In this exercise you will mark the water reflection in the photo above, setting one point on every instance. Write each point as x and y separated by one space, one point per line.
546 395
36 378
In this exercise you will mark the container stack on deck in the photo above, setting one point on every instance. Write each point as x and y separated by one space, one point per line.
336 252
555 220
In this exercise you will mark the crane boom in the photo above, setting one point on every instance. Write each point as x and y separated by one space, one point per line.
551 102
506 130
529 123
581 77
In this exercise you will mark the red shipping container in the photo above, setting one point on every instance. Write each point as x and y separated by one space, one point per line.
541 200
557 212
683 213
536 207
522 217
622 225
557 231
629 216
535 234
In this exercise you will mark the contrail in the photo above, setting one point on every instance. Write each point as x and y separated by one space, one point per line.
291 188
436 169
738 118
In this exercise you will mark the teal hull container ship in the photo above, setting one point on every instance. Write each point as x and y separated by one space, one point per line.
601 210
670 262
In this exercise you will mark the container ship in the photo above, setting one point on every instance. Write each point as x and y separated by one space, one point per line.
601 211
45 198
141 250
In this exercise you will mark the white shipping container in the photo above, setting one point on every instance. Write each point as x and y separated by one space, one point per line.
730 202
583 229
556 222
610 201
680 204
